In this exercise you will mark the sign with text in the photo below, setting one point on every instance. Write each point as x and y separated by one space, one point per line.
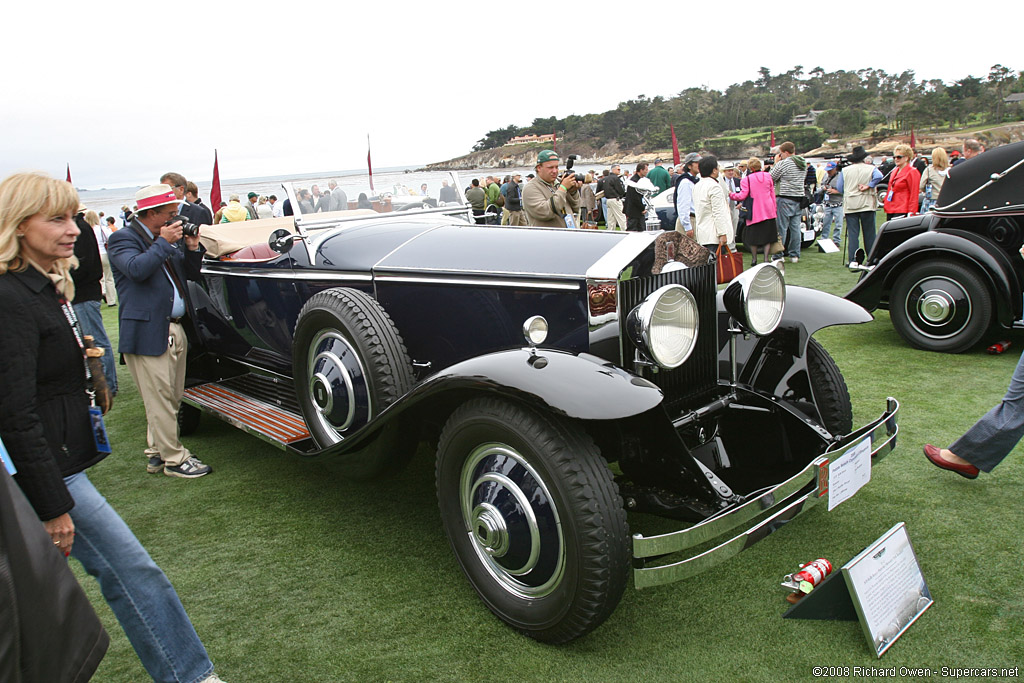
887 588
849 473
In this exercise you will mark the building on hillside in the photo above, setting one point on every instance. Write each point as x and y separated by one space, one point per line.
808 119
523 139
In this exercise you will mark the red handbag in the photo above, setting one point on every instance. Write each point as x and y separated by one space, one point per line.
728 265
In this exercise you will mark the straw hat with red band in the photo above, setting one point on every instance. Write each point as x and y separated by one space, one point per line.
154 196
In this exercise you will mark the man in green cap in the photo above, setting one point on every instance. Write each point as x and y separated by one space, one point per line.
549 198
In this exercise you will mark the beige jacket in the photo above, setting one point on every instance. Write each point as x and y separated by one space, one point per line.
855 201
547 205
711 209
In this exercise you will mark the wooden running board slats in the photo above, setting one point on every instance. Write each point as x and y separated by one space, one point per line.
259 417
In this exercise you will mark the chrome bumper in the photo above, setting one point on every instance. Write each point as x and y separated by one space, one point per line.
766 513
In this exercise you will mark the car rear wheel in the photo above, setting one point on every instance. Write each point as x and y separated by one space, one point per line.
831 394
349 364
534 517
941 306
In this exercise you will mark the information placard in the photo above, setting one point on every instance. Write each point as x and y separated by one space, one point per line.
849 473
887 588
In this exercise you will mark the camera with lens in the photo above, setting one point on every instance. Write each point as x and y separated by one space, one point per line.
188 229
569 161
842 161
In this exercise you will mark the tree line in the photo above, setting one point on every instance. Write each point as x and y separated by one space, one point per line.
850 101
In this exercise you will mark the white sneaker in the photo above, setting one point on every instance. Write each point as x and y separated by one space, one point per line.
795 259
212 678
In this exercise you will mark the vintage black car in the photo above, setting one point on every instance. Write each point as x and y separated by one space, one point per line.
567 377
954 276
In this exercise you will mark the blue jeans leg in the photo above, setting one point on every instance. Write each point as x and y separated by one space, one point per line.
788 219
991 439
91 319
138 592
832 223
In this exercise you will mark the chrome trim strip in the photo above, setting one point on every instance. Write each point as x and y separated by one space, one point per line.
883 433
278 274
490 282
470 271
615 259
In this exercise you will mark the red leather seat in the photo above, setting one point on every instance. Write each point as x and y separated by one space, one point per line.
253 252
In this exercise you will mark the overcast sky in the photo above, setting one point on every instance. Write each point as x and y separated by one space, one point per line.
123 91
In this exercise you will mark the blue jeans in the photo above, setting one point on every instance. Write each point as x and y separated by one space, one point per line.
91 320
860 221
832 223
604 209
137 590
991 439
788 219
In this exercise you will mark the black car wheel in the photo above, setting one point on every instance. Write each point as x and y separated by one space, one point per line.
349 364
534 517
941 306
831 394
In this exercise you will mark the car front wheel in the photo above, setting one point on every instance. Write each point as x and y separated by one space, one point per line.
534 517
941 306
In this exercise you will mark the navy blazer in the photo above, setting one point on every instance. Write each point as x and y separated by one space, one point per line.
144 291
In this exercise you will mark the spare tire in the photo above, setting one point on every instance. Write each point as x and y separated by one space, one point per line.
349 363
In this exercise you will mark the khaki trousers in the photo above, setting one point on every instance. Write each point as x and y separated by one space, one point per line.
615 220
161 382
516 218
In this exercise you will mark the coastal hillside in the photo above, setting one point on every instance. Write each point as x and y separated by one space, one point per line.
821 112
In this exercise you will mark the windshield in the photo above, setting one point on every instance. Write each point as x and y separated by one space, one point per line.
392 192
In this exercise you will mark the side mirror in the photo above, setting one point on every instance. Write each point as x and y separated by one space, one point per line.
281 241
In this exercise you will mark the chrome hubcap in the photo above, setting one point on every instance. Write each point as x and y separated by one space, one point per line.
511 521
938 307
337 385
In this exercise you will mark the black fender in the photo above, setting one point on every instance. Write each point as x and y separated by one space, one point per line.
581 386
988 259
777 363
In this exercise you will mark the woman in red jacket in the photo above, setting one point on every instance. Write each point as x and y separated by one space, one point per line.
904 181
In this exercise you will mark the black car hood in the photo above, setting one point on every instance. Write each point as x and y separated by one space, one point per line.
541 252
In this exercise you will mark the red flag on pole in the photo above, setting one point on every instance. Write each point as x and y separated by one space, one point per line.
215 189
369 166
675 146
913 144
69 174
773 137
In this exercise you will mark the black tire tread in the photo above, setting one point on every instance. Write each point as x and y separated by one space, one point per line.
592 496
831 394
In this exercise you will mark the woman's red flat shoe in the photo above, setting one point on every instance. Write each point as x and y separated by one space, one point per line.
934 455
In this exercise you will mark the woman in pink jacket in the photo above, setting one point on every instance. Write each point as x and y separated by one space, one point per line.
760 231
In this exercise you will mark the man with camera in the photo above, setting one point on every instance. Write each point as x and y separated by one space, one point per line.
151 260
551 197
193 212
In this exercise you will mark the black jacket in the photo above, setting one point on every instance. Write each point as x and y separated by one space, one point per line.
196 213
614 188
633 207
90 269
50 631
44 410
514 199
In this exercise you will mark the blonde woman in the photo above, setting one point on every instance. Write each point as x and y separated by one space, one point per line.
904 180
46 426
933 177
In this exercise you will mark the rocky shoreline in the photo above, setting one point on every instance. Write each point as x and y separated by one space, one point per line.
526 155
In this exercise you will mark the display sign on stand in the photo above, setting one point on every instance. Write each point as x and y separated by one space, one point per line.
882 587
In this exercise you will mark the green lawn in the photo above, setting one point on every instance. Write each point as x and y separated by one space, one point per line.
291 573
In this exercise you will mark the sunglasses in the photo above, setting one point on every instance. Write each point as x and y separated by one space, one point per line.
899 156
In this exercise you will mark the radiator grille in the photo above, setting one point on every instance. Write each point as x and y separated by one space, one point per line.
698 376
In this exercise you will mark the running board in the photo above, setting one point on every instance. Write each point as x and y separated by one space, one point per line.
272 423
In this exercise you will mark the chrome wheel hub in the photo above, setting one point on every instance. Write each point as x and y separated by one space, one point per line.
938 307
337 384
511 521
935 307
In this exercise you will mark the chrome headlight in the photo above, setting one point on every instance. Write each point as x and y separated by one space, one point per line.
664 326
756 299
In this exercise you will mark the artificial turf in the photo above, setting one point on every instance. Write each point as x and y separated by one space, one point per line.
289 572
